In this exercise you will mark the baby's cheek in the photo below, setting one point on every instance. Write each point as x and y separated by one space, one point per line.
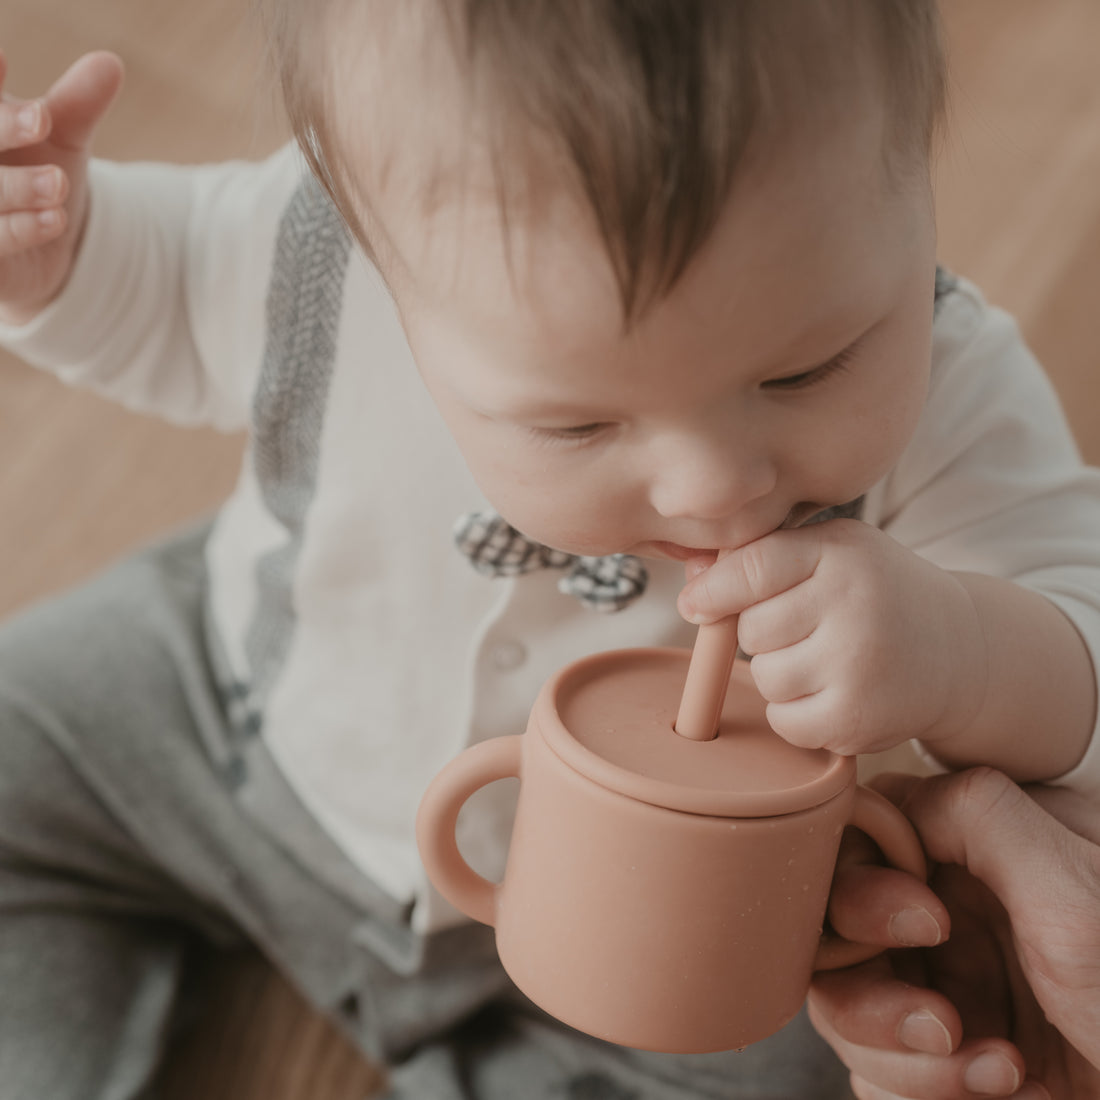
557 516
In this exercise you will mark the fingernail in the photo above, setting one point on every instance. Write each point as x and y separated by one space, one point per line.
915 927
992 1074
1032 1091
28 117
687 610
49 219
923 1031
46 183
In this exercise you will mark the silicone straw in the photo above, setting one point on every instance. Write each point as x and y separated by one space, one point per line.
708 679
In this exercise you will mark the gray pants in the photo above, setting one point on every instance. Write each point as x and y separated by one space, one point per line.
128 842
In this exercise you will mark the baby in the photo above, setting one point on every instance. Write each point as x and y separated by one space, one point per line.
625 280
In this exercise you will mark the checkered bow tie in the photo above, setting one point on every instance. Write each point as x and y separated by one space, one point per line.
496 549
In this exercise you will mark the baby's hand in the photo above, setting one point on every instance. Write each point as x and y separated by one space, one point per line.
857 643
44 149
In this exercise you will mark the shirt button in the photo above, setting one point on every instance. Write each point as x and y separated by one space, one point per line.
509 655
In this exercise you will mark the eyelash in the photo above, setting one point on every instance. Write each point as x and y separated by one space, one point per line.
580 434
583 432
815 376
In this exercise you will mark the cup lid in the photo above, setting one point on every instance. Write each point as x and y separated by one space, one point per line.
610 717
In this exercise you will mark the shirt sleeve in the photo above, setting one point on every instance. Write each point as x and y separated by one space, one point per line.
164 309
993 482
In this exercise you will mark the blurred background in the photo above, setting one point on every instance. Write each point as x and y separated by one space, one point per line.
1018 196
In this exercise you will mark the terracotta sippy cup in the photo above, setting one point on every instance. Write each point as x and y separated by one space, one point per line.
662 891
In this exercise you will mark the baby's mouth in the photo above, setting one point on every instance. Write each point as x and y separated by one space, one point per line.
808 512
675 552
801 514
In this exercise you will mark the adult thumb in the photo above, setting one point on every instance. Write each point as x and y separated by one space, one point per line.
1046 875
80 98
984 822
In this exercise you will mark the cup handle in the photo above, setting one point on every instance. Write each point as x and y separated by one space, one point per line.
456 880
891 830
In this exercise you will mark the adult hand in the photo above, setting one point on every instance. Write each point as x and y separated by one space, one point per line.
1009 1005
44 152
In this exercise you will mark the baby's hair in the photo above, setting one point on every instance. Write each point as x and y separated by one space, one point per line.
652 105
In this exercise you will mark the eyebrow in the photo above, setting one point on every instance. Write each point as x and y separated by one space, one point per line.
527 409
844 339
852 338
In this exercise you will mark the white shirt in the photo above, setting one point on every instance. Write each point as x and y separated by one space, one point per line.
393 654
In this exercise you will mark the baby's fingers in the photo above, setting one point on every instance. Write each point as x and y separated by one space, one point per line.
40 187
81 97
27 229
23 123
749 575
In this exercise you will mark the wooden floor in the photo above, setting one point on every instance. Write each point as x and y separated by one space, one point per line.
81 481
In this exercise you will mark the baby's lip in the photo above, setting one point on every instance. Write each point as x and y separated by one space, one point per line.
675 551
800 514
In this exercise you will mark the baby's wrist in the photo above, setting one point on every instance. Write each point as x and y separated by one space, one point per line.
965 670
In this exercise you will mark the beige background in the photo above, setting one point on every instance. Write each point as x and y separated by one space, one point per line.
1018 194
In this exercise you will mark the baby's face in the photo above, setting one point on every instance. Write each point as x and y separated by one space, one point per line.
785 371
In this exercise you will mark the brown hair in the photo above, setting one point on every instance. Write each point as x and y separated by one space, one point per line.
651 103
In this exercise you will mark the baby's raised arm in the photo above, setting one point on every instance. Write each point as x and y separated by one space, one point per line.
44 150
156 275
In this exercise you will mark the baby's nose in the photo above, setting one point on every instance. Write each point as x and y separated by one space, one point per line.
709 479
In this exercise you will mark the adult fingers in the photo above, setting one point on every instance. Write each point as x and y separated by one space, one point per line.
978 1067
865 1090
880 905
1046 876
868 1006
984 822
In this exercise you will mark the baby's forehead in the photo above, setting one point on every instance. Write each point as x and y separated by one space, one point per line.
421 149
423 135
787 239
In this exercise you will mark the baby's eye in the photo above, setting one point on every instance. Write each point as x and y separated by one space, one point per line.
573 433
812 377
